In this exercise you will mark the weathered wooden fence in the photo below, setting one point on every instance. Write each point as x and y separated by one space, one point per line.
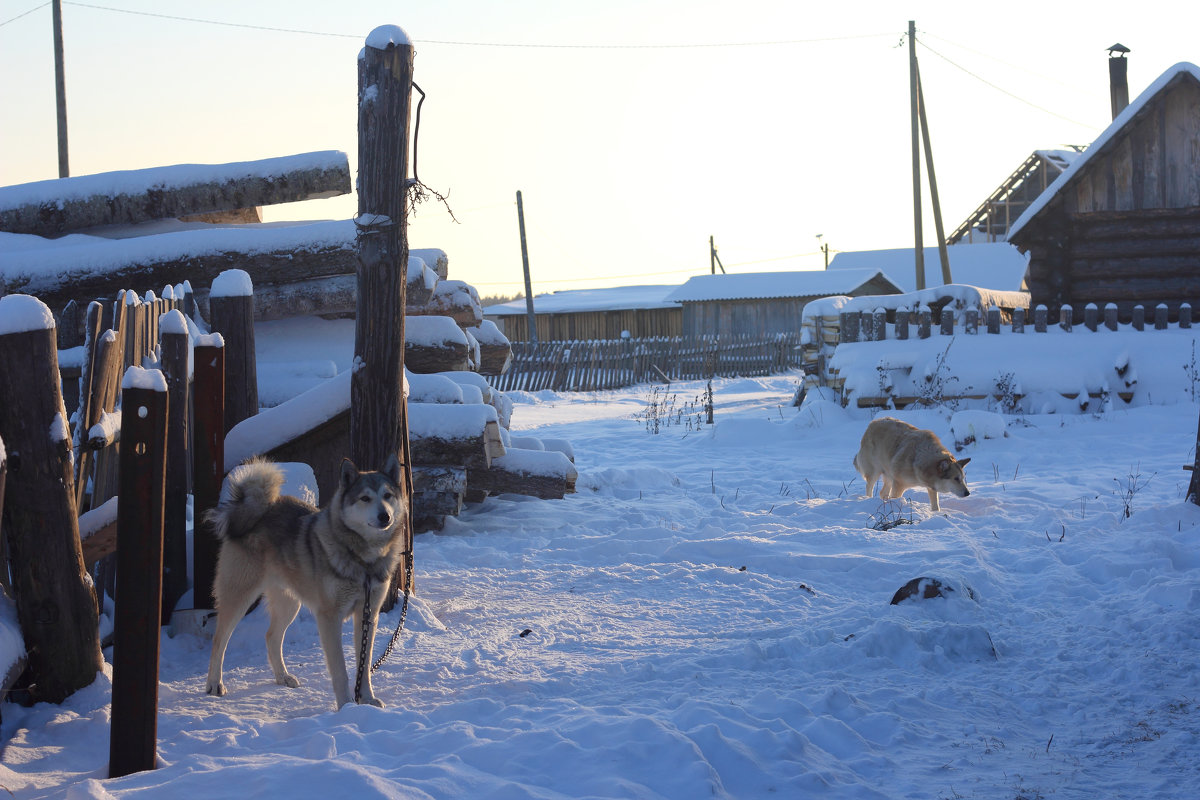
611 364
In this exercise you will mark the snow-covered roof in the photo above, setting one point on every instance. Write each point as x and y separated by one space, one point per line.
764 285
617 298
1123 119
992 265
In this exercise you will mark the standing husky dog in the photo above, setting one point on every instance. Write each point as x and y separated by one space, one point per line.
906 456
293 553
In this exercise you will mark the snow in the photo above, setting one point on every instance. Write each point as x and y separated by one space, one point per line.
759 285
107 185
139 378
173 322
232 283
21 313
577 300
1098 146
710 616
433 331
994 265
385 35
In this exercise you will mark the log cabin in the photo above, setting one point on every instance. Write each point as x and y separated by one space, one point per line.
1121 225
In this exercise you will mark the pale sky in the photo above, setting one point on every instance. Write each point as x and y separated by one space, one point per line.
635 129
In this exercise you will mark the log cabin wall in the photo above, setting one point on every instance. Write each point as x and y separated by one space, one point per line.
1126 228
756 317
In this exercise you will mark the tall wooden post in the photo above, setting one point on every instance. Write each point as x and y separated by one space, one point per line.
231 313
529 315
60 89
208 461
914 102
378 415
933 192
55 604
134 729
175 354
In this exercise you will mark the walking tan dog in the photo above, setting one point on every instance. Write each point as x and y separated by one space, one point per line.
906 456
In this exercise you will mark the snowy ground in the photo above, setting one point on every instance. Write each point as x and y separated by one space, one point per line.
709 617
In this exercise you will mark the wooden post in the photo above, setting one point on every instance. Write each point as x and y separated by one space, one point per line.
947 321
4 581
1091 317
175 354
993 320
231 313
1160 317
1066 317
866 326
1018 320
136 624
60 90
378 415
1040 318
879 325
848 327
1185 315
914 103
208 461
55 604
1110 316
971 321
531 318
933 192
924 322
901 324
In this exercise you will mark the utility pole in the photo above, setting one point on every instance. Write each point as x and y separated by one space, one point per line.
914 102
714 260
824 248
60 90
532 324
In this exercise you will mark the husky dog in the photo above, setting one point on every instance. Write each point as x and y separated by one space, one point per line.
906 457
293 553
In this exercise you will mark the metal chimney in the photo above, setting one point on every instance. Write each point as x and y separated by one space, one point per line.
1118 78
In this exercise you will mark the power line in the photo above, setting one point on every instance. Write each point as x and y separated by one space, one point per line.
460 43
1005 91
25 14
1010 65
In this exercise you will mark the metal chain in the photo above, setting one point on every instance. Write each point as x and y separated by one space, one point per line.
365 643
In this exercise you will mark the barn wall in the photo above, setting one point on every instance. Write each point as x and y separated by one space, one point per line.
742 317
594 324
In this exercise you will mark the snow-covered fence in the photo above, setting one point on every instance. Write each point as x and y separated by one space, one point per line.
893 357
613 363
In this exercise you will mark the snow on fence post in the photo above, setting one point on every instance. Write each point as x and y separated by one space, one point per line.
208 460
378 414
1185 315
1139 317
1091 317
1066 317
173 335
1041 317
231 314
53 593
1160 317
924 322
947 321
1110 316
1018 320
137 620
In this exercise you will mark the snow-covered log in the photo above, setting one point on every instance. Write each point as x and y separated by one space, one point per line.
55 207
435 344
495 351
453 299
454 435
537 473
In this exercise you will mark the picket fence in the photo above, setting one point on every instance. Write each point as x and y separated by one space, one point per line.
584 366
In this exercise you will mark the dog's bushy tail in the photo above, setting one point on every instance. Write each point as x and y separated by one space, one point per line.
249 491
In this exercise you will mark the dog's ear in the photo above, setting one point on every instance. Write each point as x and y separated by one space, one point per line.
963 462
943 467
349 473
391 469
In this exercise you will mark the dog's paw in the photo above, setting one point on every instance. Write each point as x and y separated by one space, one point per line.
216 689
371 701
288 680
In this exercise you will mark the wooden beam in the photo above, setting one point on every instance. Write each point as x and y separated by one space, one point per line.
52 208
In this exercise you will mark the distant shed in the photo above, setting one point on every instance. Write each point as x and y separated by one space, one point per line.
763 303
575 314
1122 224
